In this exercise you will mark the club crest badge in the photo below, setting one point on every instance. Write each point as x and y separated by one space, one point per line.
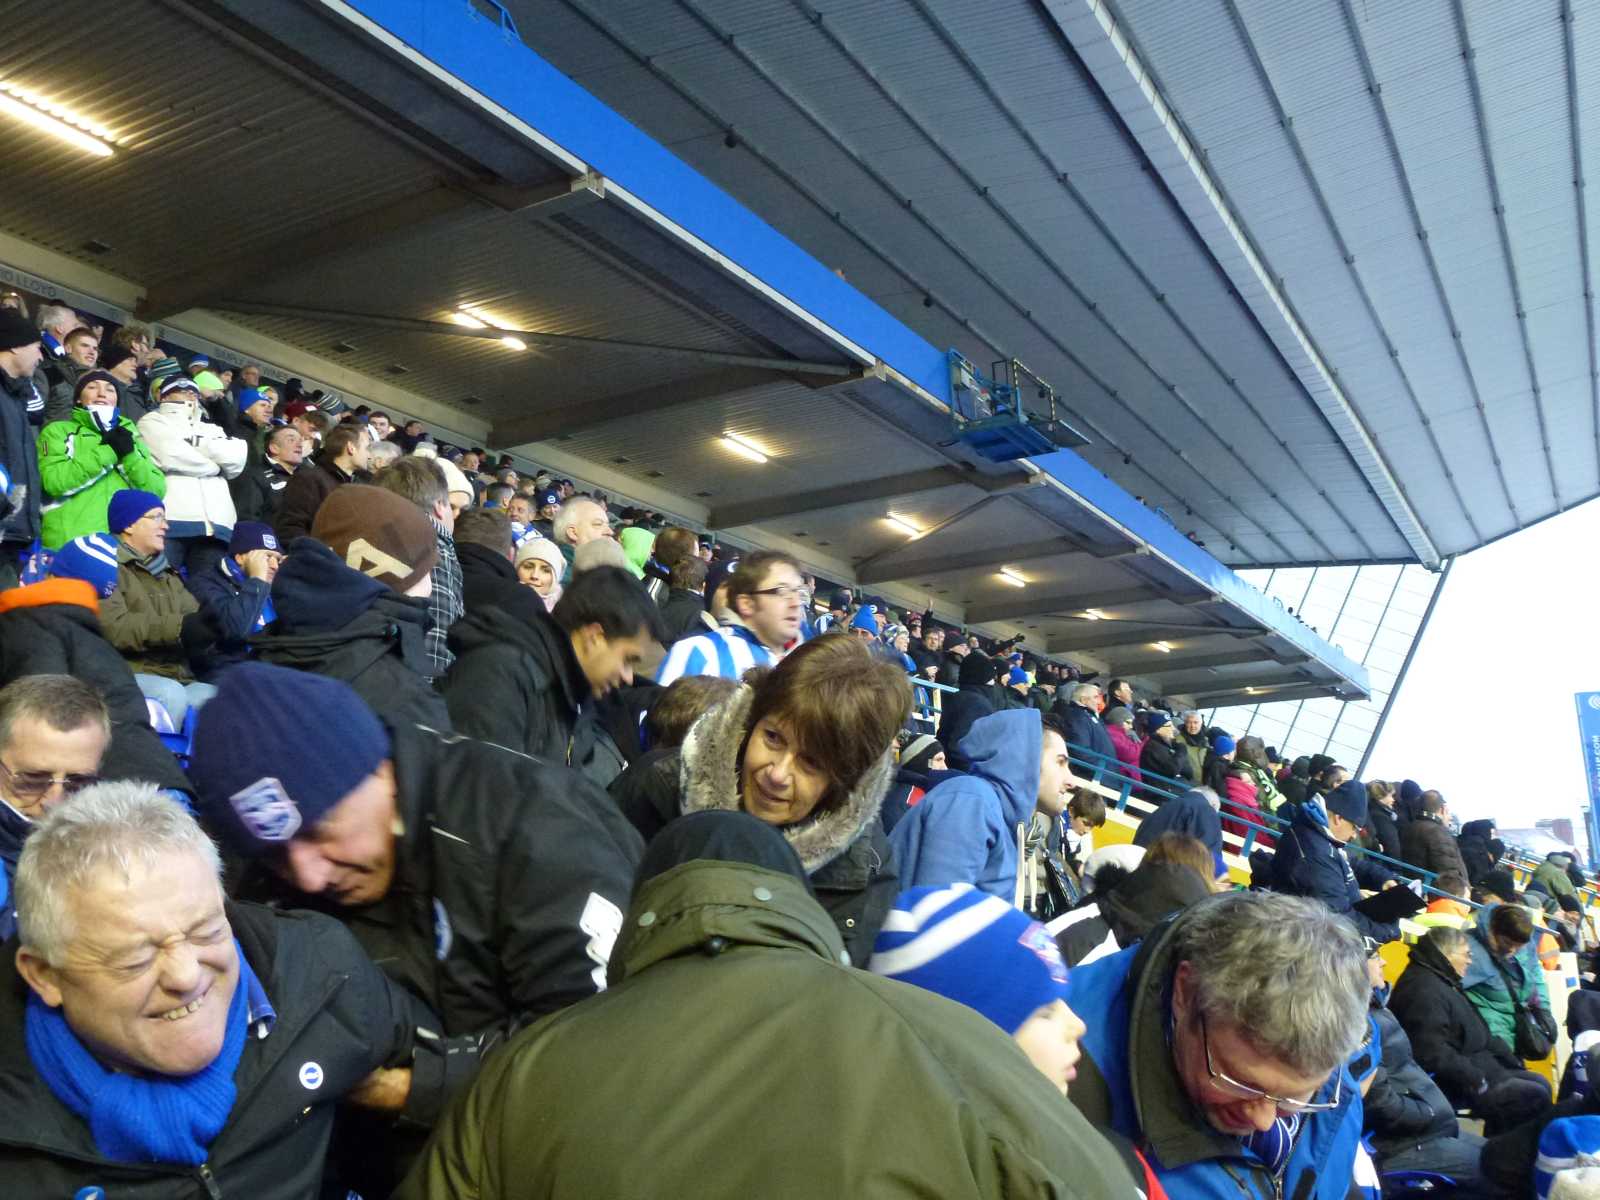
266 811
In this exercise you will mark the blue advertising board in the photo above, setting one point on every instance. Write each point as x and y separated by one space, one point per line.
1589 733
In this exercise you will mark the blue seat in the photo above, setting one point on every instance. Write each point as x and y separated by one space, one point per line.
1417 1183
180 742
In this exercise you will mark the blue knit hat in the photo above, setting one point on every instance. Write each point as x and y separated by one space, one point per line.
127 506
1155 719
253 535
249 396
1223 744
91 558
250 790
1349 800
973 948
864 620
1016 675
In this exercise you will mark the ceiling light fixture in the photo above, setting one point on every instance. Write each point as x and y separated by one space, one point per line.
903 525
514 343
1164 647
467 319
55 120
743 447
1011 577
1094 614
476 318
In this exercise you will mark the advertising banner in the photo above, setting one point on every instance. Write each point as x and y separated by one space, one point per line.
1589 734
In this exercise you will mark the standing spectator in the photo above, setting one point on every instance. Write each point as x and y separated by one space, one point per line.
546 506
489 583
420 481
81 353
54 731
1311 859
532 684
352 603
1163 754
258 489
487 883
1219 1046
1192 740
87 459
1381 819
978 1120
235 597
579 521
764 593
968 829
683 608
343 460
1238 791
972 701
1119 692
1081 717
150 616
19 456
539 567
379 426
56 321
1252 758
1119 728
1480 849
1408 807
1426 842
198 460
165 1038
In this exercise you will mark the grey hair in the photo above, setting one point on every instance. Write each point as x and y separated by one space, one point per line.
1287 973
383 454
1210 793
110 826
1445 939
53 316
1083 692
602 552
567 516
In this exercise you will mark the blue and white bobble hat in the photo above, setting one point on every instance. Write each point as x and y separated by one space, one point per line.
973 948
91 558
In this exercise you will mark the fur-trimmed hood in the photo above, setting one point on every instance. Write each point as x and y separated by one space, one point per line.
709 777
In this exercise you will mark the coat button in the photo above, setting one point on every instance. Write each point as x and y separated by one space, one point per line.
763 895
646 919
849 922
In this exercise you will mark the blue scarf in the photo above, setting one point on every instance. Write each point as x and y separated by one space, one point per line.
170 1119
1274 1144
268 614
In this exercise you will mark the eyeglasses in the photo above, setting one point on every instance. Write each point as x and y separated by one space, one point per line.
33 785
1244 1091
783 591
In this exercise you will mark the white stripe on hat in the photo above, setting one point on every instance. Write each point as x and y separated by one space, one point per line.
942 937
1071 917
909 920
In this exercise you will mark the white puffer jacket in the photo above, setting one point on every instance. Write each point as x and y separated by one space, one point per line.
198 459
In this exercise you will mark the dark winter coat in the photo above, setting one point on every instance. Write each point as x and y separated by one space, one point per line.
683 613
53 628
1404 1107
1450 1039
1190 814
509 884
488 580
258 490
1164 758
1085 732
957 713
308 487
1133 907
334 1009
517 682
1385 829
19 454
1426 843
1477 849
231 607
335 621
14 830
1310 863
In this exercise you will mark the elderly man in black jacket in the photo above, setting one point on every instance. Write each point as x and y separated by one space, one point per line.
1426 842
1079 710
157 1040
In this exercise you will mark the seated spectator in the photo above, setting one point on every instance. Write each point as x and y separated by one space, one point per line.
167 1039
922 765
1504 974
198 459
420 481
89 457
1551 876
1426 843
258 489
486 883
980 1119
648 791
532 684
1017 685
54 731
235 597
489 581
580 520
808 747
1109 865
352 603
1193 814
1218 1046
764 593
683 608
1190 738
1383 828
1119 728
1476 1070
1086 812
343 460
1451 909
968 828
1311 859
1480 849
1080 716
1162 754
1174 874
381 456
539 567
150 616
1411 1124
972 701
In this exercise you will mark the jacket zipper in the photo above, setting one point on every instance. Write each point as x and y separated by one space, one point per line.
210 1180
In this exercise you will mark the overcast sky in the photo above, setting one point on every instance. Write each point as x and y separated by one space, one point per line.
1486 714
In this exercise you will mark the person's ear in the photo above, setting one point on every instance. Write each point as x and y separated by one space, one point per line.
39 975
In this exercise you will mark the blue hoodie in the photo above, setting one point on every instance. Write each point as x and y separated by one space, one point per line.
965 829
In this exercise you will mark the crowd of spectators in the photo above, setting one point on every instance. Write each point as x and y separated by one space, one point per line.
558 843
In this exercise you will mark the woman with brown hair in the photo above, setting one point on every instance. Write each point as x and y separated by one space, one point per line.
808 747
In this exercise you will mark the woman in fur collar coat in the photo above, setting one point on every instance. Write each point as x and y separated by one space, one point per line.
806 746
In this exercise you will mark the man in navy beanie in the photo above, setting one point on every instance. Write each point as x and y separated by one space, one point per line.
1311 861
487 883
235 596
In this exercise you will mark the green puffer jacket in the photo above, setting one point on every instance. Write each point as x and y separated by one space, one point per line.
733 1056
79 474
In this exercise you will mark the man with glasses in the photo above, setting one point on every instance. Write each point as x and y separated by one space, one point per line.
1219 1045
766 599
54 731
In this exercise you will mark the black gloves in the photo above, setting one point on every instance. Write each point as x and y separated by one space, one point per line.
120 439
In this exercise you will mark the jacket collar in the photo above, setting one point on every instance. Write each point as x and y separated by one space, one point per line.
710 778
76 593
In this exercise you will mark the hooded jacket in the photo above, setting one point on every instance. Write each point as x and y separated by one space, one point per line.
1449 1036
967 829
844 852
53 628
757 964
1308 862
1485 987
1133 907
198 460
1126 1082
333 1009
79 474
1404 1107
1408 802
335 621
517 682
1190 814
1427 844
19 454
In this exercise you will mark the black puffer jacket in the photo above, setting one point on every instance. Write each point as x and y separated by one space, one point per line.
1449 1038
1164 758
19 454
1404 1107
334 1009
1478 850
335 621
1385 830
683 613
